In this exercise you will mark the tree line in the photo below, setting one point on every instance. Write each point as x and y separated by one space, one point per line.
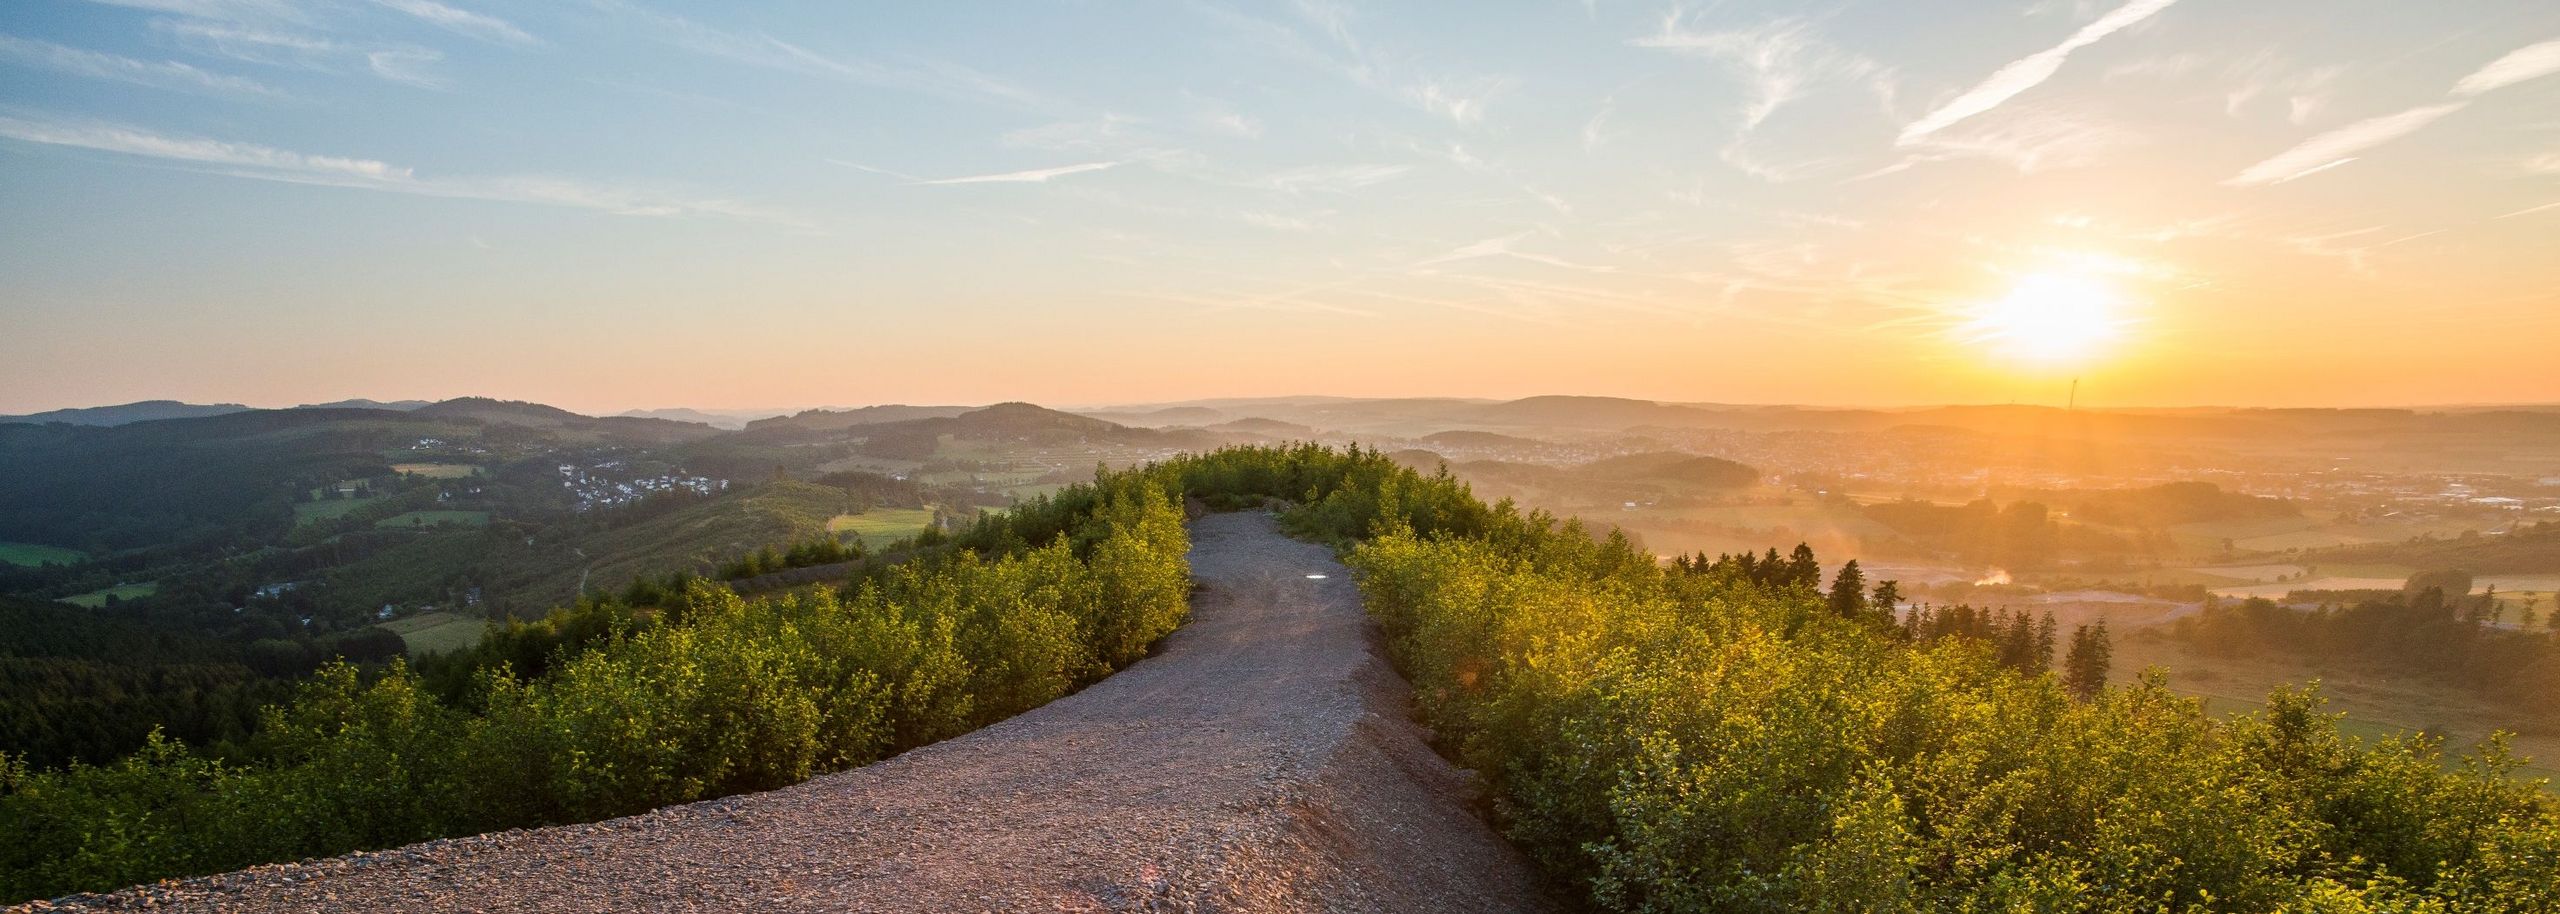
1662 736
1711 736
629 707
2434 627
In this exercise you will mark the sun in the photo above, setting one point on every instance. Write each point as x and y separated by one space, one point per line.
2049 317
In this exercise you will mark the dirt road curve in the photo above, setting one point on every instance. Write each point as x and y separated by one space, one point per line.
1261 762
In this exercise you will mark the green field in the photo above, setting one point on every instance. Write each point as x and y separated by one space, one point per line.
437 470
436 519
327 509
437 632
2376 705
31 554
98 598
881 526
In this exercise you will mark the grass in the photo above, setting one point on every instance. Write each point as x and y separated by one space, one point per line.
2301 539
98 598
327 509
436 519
881 526
437 470
30 554
2377 705
437 632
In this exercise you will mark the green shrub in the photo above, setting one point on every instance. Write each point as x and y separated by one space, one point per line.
1679 739
622 712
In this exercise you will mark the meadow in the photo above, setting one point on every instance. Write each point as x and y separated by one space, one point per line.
2372 705
437 632
97 598
436 519
31 554
880 527
437 470
325 509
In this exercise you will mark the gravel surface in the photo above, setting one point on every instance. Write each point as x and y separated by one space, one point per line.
1262 761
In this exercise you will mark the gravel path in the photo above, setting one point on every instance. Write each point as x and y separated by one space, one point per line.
1262 761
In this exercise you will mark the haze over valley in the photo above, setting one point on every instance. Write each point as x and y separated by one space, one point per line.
658 455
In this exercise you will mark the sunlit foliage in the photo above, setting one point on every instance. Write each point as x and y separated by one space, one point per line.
1688 738
705 695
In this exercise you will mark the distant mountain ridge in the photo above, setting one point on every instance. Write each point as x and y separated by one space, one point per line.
1562 416
155 410
729 419
142 411
827 420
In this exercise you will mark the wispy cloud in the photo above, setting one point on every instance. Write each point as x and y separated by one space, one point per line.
267 46
1033 176
89 64
2027 138
1341 52
2338 147
476 25
246 43
2341 146
2256 81
220 10
1468 161
1276 222
1460 104
1236 125
1328 178
2027 72
408 66
753 48
1595 131
1505 246
2517 66
130 141
268 163
1779 61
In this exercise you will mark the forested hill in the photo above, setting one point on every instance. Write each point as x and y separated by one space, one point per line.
225 479
1711 734
144 411
822 420
81 685
2527 549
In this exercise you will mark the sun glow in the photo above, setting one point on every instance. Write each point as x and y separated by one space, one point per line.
2049 317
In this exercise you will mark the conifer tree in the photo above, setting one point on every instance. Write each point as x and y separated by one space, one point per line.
2045 629
1849 591
1887 598
2085 670
1803 568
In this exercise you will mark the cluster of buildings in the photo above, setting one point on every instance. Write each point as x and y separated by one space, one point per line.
598 486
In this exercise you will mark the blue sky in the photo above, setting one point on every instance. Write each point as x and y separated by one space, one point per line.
610 204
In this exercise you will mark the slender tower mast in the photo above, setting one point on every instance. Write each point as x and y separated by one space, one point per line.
2074 402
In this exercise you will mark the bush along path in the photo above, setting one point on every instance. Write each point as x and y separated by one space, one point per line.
1263 759
605 710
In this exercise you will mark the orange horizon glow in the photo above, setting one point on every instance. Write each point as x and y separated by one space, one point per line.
2176 203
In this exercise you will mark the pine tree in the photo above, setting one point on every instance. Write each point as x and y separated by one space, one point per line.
1888 597
1849 591
2044 641
2085 670
1803 568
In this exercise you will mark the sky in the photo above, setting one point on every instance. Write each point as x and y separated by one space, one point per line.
608 204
